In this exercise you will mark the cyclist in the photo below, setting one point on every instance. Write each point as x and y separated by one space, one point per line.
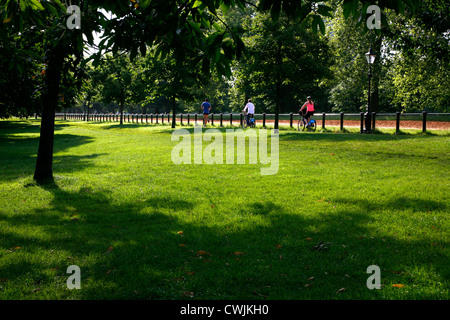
309 105
250 108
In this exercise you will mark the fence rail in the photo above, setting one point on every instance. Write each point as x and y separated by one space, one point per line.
231 119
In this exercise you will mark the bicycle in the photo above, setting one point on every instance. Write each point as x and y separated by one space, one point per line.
302 126
251 122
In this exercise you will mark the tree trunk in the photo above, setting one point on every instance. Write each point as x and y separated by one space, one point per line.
121 113
43 170
279 63
277 103
173 111
376 74
88 109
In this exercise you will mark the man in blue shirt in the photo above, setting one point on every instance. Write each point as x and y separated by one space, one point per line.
206 107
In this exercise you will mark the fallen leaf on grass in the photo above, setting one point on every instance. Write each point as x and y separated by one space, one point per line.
202 252
398 285
237 253
180 233
189 294
109 249
279 246
398 272
321 246
260 294
340 290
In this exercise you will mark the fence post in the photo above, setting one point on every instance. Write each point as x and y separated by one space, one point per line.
212 119
241 115
221 119
424 121
231 119
362 122
264 120
181 118
189 118
342 121
291 118
195 116
323 120
397 122
168 117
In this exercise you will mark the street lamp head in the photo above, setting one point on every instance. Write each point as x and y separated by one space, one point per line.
370 56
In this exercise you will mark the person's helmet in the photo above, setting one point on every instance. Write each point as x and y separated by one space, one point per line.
308 97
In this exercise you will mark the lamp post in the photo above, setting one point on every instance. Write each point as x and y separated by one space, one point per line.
370 56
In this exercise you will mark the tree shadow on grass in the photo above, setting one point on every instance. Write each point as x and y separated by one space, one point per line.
343 137
290 135
148 249
23 127
397 204
19 155
18 151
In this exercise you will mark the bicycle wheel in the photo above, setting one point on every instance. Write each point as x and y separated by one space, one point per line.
312 125
300 125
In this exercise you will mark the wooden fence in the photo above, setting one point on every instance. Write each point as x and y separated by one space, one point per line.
231 119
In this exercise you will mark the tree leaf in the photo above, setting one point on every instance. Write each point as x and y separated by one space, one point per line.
35 4
325 10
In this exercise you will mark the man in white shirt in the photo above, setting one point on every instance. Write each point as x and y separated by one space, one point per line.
250 108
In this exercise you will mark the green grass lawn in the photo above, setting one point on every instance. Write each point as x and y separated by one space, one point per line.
141 227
